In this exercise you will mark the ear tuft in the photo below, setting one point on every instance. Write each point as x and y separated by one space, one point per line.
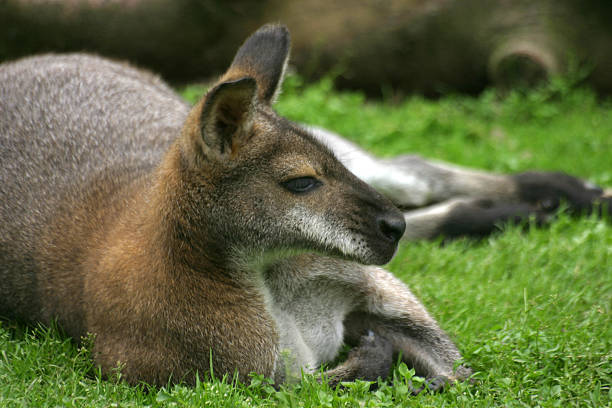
263 56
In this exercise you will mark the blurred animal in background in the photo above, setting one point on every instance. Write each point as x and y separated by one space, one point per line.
441 199
425 46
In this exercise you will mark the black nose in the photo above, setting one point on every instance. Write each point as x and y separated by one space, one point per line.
392 226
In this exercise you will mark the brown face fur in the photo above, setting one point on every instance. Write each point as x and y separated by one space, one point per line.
255 212
244 154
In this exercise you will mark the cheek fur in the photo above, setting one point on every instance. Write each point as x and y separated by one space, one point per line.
325 232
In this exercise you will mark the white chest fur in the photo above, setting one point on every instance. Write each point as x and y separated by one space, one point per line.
309 311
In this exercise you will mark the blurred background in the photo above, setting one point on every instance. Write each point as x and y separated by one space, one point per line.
401 47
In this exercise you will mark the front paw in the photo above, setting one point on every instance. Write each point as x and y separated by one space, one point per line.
373 356
546 190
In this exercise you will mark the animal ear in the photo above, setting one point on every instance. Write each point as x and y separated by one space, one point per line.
226 118
263 56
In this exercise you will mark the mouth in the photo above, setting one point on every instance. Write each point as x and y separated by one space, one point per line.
376 249
383 255
376 244
369 257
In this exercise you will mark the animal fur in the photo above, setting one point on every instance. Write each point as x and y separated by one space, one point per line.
177 234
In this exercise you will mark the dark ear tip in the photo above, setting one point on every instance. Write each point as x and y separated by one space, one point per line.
263 56
272 33
275 29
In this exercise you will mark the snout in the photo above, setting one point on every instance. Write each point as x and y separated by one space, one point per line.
385 236
382 228
391 227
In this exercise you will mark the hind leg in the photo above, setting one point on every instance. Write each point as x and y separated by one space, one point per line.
472 217
411 181
471 202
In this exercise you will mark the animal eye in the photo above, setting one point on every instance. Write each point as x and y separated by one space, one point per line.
301 184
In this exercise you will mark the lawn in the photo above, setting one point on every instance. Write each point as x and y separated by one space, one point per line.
529 309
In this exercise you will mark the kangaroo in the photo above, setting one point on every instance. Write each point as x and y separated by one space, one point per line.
220 236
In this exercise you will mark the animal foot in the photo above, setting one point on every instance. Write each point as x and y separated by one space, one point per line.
546 190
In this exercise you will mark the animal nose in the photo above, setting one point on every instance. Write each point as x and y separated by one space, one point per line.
392 226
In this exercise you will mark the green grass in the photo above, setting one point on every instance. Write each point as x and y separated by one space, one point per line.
531 311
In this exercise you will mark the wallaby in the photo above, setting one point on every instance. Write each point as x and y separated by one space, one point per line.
443 199
222 235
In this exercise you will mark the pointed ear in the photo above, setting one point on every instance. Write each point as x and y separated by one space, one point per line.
226 117
263 56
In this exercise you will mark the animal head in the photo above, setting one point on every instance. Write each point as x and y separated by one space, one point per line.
266 184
